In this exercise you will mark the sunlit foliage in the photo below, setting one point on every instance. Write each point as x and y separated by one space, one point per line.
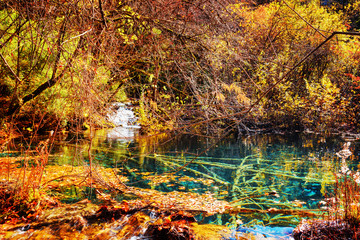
208 62
273 38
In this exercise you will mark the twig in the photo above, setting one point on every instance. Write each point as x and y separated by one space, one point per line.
102 13
77 36
317 30
11 70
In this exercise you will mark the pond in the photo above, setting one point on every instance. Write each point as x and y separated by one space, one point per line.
269 171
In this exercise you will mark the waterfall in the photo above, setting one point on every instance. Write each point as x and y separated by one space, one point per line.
125 121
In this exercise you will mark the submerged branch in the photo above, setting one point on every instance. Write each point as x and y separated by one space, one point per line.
298 212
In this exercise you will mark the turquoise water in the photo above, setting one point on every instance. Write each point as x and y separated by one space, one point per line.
254 172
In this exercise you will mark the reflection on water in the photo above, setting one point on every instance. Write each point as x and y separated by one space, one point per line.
122 133
261 172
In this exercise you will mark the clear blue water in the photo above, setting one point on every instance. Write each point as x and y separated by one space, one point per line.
256 172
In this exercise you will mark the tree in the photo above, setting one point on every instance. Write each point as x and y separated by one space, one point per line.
192 65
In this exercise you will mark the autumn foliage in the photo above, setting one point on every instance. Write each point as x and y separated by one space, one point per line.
193 66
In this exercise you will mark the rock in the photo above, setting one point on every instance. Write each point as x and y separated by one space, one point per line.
325 230
78 222
210 231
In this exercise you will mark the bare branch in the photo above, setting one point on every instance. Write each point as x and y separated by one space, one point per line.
292 9
11 70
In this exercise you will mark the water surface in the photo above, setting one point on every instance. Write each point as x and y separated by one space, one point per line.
255 172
